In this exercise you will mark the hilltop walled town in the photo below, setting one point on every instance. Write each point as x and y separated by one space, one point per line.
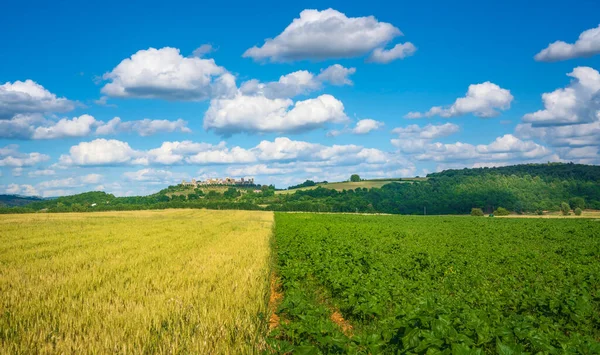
220 181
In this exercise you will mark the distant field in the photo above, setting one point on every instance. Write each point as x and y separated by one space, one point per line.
436 285
346 185
174 281
584 214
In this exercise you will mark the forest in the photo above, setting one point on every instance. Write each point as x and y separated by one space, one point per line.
532 188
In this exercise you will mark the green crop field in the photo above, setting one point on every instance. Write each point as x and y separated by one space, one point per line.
175 281
437 285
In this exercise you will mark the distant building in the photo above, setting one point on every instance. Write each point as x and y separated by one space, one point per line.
220 181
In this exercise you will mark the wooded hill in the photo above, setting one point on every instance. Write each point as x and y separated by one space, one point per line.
531 188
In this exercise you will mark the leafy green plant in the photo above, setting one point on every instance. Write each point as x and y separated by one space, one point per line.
437 284
578 211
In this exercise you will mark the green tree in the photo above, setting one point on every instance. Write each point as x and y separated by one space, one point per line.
501 211
577 202
565 208
578 211
355 178
476 212
231 193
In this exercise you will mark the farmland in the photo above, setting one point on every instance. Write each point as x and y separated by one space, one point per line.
388 284
177 281
348 185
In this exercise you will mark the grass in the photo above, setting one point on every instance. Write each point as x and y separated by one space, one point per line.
174 281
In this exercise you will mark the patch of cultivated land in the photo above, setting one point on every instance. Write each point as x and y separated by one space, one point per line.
437 285
347 185
175 281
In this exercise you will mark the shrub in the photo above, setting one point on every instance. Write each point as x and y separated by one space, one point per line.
355 178
578 211
540 212
565 208
476 212
501 211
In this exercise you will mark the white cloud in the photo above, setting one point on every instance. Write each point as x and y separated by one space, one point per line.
363 126
20 126
298 83
11 157
367 125
399 51
413 138
26 97
587 45
100 152
76 127
144 128
570 120
203 50
327 34
42 172
257 170
482 100
258 114
577 103
165 74
154 176
427 132
505 148
91 178
336 75
576 135
17 171
25 190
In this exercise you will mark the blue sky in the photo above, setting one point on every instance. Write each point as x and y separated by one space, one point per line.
286 92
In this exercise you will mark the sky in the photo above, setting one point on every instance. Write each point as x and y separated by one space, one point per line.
130 97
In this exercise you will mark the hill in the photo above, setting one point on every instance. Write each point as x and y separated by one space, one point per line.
17 200
537 188
350 185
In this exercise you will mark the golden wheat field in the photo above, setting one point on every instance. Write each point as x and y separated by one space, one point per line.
174 281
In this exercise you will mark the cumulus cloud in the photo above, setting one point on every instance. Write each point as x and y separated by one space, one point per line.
27 97
578 103
414 138
336 75
258 114
482 100
327 34
76 127
367 125
570 120
154 176
144 128
20 126
11 157
165 74
37 127
25 190
363 126
399 51
587 45
298 83
100 152
203 50
42 172
502 149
